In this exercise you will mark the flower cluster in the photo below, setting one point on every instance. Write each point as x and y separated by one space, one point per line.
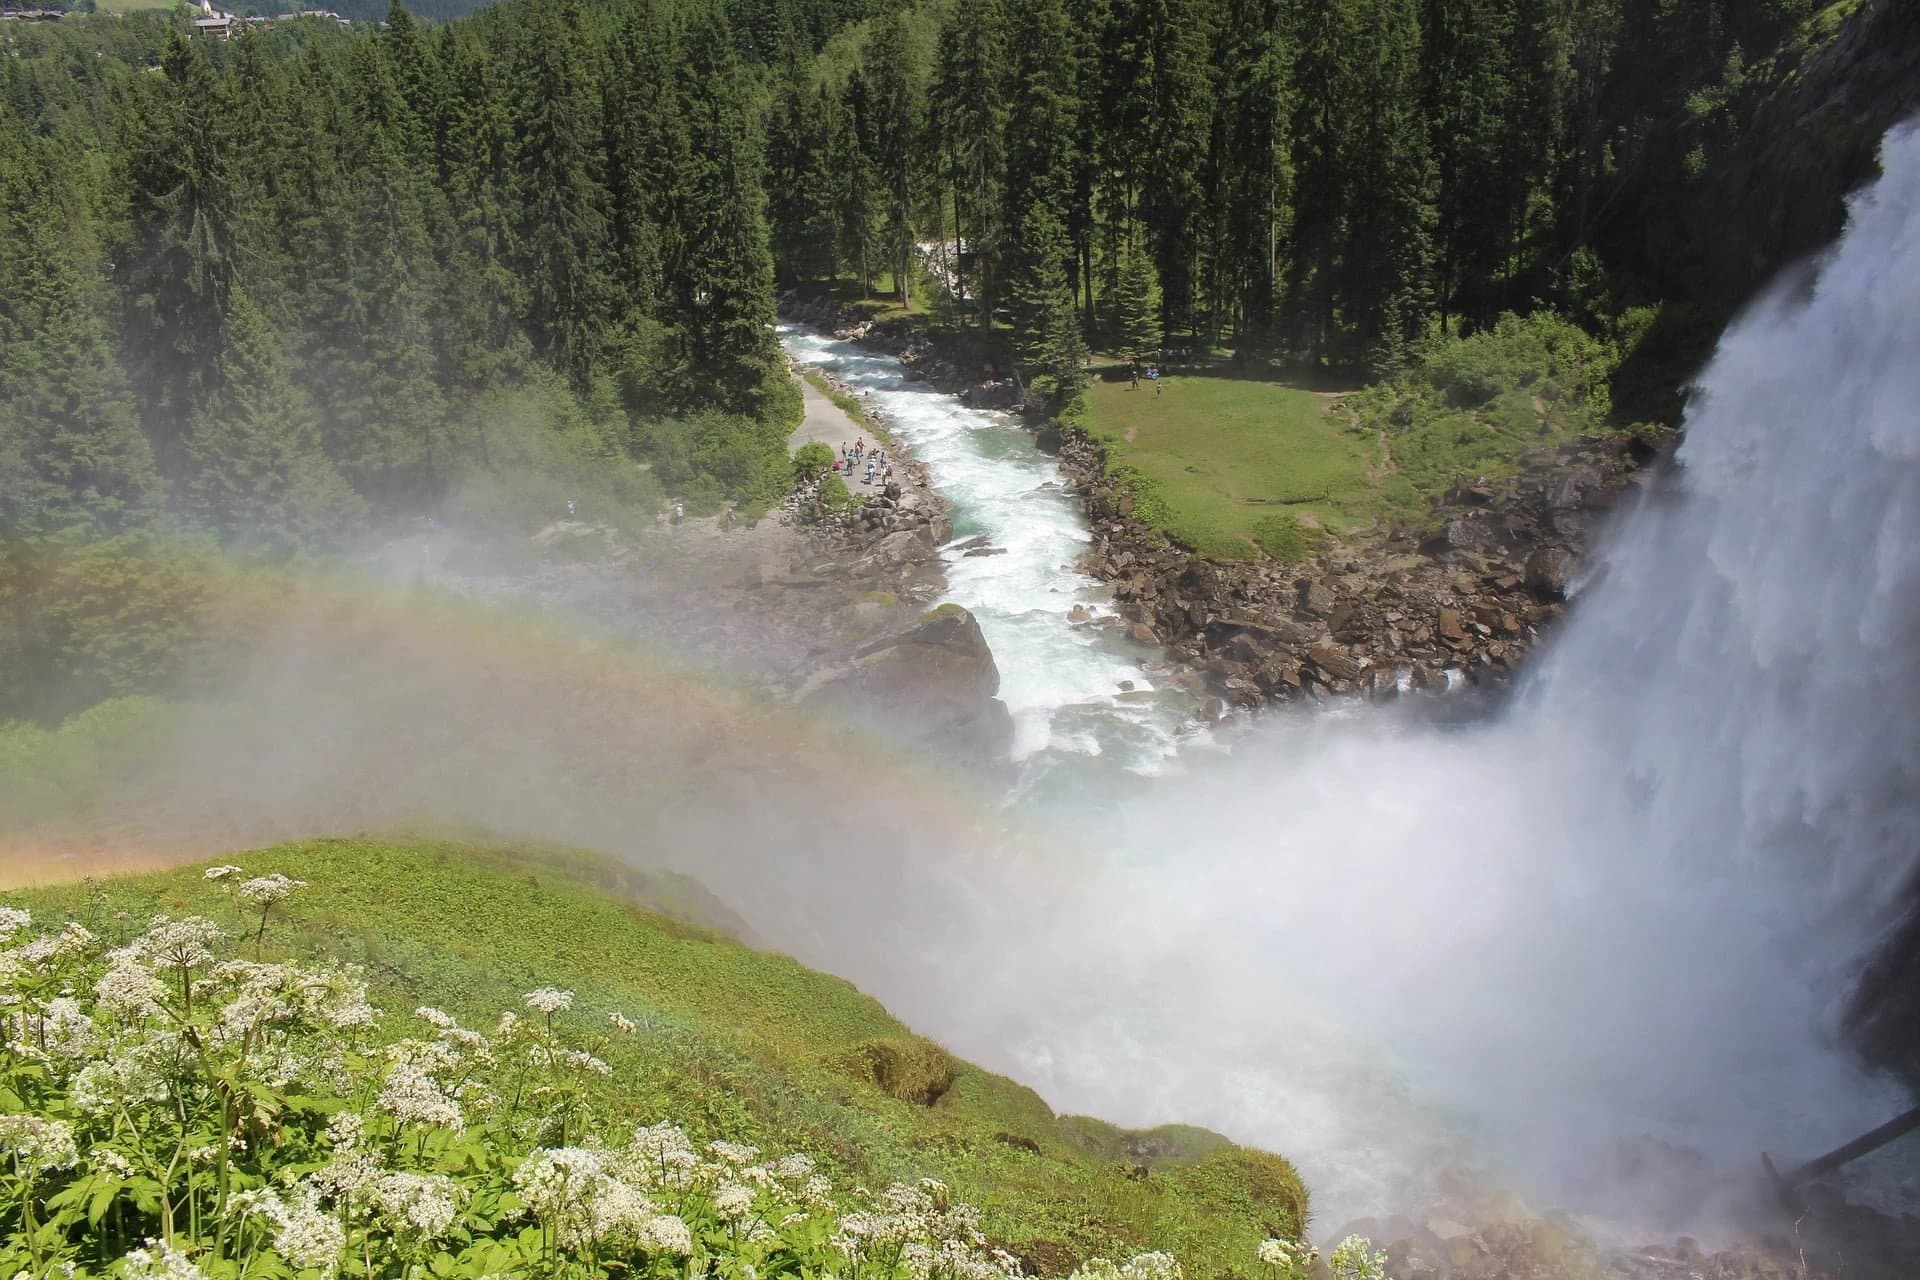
175 1111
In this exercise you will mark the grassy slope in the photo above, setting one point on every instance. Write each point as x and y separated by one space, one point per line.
1224 453
740 1043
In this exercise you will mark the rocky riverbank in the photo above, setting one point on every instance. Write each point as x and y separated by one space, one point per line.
1380 614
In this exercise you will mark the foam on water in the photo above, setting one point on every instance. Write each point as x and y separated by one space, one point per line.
1061 682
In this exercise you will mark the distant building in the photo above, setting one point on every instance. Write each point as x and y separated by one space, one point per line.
31 15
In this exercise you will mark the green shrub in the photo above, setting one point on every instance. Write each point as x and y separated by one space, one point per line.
834 494
1283 537
810 459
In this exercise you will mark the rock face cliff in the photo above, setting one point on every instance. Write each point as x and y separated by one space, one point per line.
933 686
1812 137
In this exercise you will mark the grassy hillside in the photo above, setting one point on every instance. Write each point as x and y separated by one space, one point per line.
734 1043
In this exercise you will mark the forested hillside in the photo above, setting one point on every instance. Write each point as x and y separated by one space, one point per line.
266 287
1327 180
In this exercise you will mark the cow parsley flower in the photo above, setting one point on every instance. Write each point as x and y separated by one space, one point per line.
549 1000
306 1235
177 944
733 1201
412 1096
12 921
428 1203
734 1153
1354 1259
435 1018
666 1233
221 873
159 1261
38 1144
265 891
622 1023
129 990
556 1185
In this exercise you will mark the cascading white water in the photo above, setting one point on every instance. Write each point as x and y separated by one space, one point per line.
1630 906
1062 682
1626 910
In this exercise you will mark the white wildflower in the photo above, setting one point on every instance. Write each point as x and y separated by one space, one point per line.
12 921
129 1076
306 1235
346 1130
797 1167
221 873
622 1023
734 1153
428 1203
128 990
67 1031
555 1184
1291 1256
177 944
578 1059
265 891
1354 1259
617 1212
412 1096
38 1144
159 1261
435 1018
549 1000
667 1234
733 1201
110 1160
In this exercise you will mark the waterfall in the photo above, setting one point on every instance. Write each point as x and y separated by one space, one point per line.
1622 918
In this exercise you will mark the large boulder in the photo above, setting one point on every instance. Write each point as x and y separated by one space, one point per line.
934 685
1548 571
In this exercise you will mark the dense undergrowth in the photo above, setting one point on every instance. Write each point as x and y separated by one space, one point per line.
199 1061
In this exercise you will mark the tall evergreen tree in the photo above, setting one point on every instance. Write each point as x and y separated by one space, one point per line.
71 455
969 122
561 235
257 471
182 248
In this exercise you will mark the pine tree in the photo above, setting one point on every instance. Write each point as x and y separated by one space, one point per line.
1046 321
895 135
1133 305
968 128
71 455
562 228
724 277
182 247
800 182
257 472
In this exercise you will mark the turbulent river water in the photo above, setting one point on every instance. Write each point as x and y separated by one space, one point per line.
1017 534
1598 943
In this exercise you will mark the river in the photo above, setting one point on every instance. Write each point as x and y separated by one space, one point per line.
1087 701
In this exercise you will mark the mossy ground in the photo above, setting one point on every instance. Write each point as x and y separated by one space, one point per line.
740 1043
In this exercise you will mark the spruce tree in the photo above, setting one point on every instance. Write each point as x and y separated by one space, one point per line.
71 454
1133 305
968 127
257 471
182 248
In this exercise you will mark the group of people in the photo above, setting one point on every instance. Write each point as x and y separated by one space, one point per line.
875 460
1153 376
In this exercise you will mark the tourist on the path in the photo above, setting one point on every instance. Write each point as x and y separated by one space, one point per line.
569 508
